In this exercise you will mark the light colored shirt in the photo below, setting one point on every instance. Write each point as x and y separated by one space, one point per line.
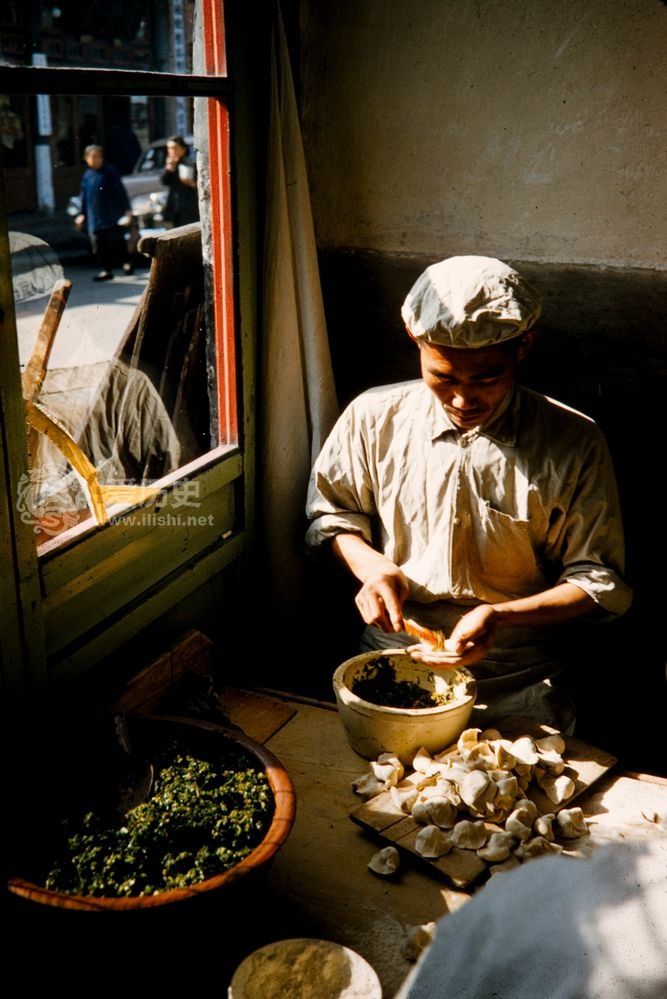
492 514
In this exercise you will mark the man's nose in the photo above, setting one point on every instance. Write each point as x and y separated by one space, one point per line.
464 398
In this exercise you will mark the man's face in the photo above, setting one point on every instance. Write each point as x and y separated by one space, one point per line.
470 384
95 159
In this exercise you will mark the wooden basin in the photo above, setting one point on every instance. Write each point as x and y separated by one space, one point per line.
255 864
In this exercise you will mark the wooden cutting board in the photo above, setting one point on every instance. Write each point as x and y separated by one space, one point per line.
384 820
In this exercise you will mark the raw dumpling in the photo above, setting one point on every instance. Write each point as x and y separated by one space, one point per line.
520 824
503 756
467 741
404 795
537 847
432 842
368 786
469 835
551 743
528 806
507 792
551 762
498 847
543 826
477 790
388 768
435 810
557 789
424 762
482 755
571 823
525 751
385 862
449 790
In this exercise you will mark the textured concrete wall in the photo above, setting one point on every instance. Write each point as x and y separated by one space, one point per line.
525 128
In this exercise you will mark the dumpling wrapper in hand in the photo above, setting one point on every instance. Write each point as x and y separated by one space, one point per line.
385 862
431 842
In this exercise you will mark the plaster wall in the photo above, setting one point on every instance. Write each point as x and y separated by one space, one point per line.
525 129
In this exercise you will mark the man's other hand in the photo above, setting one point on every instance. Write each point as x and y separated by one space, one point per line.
468 643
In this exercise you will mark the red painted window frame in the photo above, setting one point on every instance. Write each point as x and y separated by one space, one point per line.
215 57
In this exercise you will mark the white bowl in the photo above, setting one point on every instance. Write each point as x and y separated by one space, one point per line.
303 967
372 729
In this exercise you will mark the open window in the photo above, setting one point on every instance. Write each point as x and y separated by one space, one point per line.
120 396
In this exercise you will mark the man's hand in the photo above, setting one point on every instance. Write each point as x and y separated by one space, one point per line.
380 600
468 643
79 221
384 587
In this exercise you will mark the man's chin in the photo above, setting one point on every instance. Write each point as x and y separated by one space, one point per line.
468 422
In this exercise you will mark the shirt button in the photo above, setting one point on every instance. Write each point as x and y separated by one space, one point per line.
457 521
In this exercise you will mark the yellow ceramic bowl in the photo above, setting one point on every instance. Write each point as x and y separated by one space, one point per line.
372 729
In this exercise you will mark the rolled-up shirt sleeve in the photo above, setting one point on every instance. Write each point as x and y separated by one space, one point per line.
340 494
587 539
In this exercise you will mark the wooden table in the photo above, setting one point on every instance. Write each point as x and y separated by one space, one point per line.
321 877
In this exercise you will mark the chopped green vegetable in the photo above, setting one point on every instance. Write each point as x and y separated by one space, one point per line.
377 684
203 816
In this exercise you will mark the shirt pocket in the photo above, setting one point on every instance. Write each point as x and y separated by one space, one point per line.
505 550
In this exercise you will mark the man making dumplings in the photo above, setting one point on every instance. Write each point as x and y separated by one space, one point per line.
471 504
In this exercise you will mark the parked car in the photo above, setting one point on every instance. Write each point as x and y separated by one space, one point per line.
144 188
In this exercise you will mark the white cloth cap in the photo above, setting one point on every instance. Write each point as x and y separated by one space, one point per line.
470 302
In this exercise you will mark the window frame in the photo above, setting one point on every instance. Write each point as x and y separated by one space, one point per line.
38 590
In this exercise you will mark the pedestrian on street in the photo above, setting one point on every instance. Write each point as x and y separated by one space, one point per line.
104 202
180 176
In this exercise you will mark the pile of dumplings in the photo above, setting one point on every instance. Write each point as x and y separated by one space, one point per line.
474 797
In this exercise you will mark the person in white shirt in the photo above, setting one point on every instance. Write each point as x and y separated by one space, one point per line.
471 504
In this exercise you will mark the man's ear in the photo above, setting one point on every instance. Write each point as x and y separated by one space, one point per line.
412 337
526 344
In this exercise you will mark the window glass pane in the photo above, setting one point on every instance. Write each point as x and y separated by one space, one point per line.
151 35
133 388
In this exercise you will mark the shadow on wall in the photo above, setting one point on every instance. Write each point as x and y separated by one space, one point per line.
603 351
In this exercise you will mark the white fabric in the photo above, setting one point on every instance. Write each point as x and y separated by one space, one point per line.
470 302
557 928
297 388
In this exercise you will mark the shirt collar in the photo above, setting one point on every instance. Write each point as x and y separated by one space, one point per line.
503 427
